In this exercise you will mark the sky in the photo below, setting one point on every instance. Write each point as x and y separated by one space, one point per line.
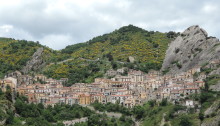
58 23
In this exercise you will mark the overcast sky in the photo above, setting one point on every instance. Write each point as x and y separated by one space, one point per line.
58 23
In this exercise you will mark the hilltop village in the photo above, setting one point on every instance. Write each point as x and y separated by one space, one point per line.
130 90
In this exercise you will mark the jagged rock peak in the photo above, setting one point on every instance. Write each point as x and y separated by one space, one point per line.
193 47
36 61
193 30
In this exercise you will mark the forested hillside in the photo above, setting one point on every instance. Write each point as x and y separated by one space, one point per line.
15 53
128 46
145 46
146 50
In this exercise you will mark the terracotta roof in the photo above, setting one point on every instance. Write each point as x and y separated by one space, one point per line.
189 84
120 95
191 88
8 81
199 82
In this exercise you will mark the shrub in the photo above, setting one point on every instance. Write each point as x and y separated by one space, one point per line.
152 103
213 114
163 102
179 65
165 71
201 116
177 50
205 96
198 49
166 124
179 107
185 121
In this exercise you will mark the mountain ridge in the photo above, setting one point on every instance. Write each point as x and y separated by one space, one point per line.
144 47
190 48
148 49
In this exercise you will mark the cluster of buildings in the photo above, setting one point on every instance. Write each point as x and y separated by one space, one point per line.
130 90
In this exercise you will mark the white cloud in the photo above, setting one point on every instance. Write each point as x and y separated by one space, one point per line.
61 41
210 8
5 28
57 23
12 32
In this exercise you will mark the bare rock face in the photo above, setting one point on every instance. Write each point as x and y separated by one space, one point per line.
193 47
213 108
215 87
36 62
213 120
131 59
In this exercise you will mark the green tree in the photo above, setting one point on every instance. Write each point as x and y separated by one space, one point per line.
1 92
109 56
138 111
163 102
122 118
40 106
152 103
8 93
201 116
205 96
10 118
93 120
185 121
48 116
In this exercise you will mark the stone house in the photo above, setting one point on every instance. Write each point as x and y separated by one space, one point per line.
189 103
84 99
188 91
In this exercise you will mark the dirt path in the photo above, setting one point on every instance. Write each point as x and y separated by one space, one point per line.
62 61
82 59
163 120
136 123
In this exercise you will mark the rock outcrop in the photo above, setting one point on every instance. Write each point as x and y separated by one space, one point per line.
193 47
212 122
214 115
213 108
215 87
4 107
36 62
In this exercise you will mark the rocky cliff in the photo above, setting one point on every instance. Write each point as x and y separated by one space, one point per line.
214 111
193 47
36 62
